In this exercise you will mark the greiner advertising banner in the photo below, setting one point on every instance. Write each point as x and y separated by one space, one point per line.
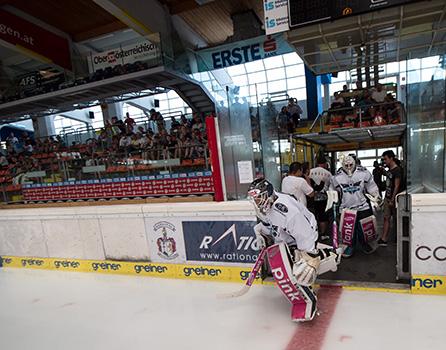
141 51
166 241
242 52
23 34
220 241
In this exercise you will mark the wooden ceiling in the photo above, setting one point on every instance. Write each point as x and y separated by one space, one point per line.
81 19
212 21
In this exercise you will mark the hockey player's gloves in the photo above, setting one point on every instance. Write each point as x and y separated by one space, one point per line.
332 197
375 201
261 242
305 268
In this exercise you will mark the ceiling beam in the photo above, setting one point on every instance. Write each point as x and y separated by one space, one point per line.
98 31
124 16
180 6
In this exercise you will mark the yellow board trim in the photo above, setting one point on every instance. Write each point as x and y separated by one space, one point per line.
421 284
428 284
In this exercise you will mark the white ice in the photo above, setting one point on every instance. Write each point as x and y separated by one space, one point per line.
56 310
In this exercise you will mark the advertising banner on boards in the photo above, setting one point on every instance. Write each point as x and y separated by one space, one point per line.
220 241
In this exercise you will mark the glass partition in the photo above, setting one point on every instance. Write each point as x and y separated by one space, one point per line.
426 130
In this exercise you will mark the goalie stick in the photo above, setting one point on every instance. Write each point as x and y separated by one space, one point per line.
334 229
252 276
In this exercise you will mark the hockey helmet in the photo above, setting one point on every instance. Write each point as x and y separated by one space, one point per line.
349 165
261 194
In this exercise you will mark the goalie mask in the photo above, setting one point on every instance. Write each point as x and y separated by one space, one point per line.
261 194
349 165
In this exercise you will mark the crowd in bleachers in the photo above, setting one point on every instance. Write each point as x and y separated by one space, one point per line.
119 142
363 107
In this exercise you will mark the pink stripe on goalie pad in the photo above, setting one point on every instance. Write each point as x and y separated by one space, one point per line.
282 273
347 224
368 226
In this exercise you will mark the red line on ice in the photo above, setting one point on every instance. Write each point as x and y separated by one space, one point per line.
311 335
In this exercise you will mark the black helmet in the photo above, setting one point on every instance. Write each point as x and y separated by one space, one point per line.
260 193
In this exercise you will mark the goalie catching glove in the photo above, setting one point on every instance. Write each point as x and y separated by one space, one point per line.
309 265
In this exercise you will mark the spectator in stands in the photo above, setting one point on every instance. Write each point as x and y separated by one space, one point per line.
379 94
184 121
282 121
345 95
174 124
295 111
295 185
393 109
118 125
28 148
338 101
12 141
124 142
129 122
3 161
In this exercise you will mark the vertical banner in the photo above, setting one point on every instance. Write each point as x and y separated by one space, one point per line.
276 16
211 131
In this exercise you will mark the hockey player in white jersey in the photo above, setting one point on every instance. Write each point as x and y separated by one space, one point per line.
353 183
289 231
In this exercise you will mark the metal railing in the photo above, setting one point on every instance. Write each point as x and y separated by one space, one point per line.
375 114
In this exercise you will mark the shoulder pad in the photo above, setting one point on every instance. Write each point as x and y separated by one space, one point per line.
361 168
281 207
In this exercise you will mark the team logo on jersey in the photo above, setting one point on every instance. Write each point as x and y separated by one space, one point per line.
167 246
351 188
281 207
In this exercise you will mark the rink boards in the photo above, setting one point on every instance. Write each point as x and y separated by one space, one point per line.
142 268
210 241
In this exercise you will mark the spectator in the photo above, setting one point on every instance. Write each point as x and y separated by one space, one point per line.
3 161
124 142
345 93
129 122
28 148
174 124
184 121
393 187
295 185
283 119
338 101
294 111
379 94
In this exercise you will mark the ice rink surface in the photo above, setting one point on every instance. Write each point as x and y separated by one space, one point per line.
46 310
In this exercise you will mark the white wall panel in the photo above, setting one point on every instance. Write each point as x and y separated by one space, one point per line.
124 238
23 238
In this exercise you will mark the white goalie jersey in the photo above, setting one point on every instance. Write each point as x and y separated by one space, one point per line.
352 189
291 222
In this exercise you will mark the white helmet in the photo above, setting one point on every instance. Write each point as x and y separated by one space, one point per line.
261 194
349 165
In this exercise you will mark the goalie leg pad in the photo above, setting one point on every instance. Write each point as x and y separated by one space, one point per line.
347 226
302 298
368 226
